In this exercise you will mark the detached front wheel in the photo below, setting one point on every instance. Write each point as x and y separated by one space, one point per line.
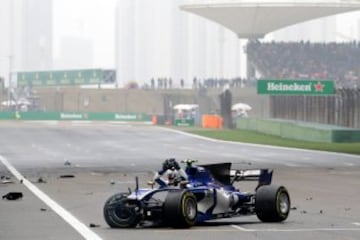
272 203
180 209
119 213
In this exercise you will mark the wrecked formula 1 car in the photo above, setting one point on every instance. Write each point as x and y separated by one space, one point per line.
208 193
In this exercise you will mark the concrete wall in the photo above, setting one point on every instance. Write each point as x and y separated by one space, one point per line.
150 101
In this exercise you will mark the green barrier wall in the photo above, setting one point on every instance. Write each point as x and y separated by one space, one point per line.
7 115
300 130
126 117
346 136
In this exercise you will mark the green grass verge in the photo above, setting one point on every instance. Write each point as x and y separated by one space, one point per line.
258 138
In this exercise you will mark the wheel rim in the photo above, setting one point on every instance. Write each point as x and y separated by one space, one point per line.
190 208
284 203
123 213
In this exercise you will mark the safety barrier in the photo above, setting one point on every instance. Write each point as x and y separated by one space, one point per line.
211 121
91 116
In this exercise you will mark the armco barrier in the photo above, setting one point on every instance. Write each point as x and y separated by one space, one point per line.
303 131
75 116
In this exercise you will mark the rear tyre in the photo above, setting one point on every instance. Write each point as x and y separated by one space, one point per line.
272 203
118 213
180 209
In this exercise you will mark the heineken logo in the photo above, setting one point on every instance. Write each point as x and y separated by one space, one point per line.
71 116
125 116
297 87
319 87
271 86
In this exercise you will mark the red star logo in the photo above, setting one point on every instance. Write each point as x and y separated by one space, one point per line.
319 87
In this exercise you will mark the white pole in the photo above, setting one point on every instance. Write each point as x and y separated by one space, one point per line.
11 47
10 73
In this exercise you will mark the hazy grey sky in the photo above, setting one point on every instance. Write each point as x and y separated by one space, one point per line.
95 20
90 19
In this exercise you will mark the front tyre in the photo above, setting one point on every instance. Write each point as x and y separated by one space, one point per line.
118 213
180 209
272 203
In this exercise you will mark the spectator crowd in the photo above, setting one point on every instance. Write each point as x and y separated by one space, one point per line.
167 83
305 60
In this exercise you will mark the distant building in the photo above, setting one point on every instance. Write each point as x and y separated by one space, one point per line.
4 39
32 35
75 53
26 28
169 43
125 41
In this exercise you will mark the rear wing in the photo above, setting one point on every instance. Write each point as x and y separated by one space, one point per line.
263 176
223 173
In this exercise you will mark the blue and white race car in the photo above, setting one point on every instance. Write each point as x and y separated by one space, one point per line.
209 193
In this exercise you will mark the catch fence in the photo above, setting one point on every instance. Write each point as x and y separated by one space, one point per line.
341 109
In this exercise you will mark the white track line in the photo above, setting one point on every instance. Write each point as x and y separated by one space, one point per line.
67 216
242 229
256 145
295 229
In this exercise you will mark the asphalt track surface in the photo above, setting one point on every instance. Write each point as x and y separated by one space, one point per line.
105 158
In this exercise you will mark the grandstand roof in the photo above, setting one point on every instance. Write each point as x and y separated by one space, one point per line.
254 19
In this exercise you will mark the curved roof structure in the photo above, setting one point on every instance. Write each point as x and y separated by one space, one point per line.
254 19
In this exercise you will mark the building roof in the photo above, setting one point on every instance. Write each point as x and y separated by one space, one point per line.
255 19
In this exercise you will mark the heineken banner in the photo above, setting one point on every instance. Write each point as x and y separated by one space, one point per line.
295 87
